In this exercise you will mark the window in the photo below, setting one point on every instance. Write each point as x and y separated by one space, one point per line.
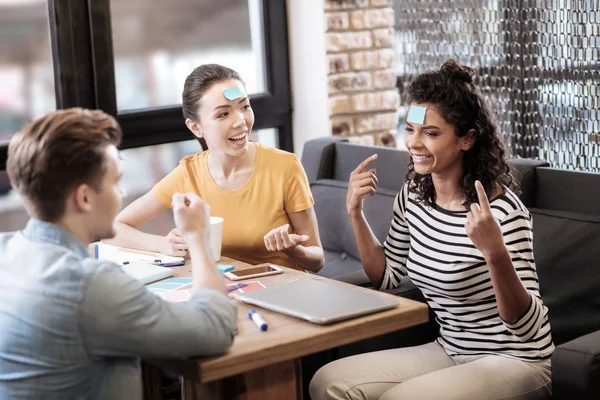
157 44
26 74
46 65
27 82
255 44
138 75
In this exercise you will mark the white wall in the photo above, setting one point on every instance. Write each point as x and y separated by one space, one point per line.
308 70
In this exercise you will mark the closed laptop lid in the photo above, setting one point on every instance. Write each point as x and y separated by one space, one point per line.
318 301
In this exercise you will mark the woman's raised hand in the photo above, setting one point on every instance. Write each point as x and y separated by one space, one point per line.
482 228
361 183
173 244
279 239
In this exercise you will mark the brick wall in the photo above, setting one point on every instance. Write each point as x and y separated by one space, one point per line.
361 83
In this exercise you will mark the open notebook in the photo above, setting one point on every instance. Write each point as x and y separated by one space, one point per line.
146 273
123 256
144 266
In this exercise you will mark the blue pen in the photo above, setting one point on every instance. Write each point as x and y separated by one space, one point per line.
254 316
172 264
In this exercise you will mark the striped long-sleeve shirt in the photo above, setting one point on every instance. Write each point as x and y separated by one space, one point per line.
430 245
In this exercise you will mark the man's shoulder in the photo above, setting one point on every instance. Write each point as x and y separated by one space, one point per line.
49 271
107 275
54 259
95 266
101 271
5 237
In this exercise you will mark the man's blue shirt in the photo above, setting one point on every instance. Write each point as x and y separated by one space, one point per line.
72 327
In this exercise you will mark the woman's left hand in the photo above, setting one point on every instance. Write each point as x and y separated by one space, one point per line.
482 228
279 239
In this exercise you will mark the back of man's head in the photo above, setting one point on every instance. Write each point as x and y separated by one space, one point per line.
54 154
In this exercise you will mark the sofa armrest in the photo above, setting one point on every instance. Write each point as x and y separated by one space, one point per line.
576 368
525 174
318 157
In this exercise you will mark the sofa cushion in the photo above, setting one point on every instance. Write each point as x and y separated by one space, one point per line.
318 157
574 191
334 225
391 163
339 264
567 254
576 369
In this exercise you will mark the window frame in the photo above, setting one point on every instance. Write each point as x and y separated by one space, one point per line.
83 59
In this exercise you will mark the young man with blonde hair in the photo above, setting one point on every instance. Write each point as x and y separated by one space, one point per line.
74 327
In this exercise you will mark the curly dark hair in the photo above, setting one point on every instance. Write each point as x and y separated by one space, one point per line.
451 90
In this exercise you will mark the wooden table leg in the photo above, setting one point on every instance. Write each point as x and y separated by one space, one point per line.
151 382
278 381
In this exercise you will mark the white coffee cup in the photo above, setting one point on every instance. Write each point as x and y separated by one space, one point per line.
216 237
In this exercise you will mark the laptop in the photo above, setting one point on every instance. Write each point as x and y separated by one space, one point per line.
318 301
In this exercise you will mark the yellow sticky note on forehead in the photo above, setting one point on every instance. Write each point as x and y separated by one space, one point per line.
233 93
416 115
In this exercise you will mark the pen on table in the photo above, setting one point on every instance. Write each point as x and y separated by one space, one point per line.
172 264
155 262
237 286
254 316
158 262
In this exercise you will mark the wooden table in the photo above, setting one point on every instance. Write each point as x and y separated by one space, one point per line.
266 365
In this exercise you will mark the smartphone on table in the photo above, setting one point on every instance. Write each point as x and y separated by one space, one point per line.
253 272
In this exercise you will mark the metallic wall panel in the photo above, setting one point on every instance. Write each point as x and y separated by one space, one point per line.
537 61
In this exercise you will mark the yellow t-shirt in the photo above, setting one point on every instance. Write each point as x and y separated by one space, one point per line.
277 186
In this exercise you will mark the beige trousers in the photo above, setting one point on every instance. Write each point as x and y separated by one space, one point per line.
427 373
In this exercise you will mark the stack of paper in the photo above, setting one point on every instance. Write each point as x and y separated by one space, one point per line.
142 265
124 256
146 273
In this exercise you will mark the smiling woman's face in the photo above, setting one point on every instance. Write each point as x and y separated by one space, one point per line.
433 145
225 124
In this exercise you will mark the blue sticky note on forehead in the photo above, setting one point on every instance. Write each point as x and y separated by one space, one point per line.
234 93
416 115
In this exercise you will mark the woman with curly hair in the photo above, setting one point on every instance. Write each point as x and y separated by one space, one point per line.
462 235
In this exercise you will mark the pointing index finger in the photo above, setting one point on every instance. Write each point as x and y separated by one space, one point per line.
362 167
484 203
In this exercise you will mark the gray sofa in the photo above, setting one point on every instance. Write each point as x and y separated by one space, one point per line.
565 206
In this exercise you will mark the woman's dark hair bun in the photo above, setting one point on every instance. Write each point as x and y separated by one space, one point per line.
454 70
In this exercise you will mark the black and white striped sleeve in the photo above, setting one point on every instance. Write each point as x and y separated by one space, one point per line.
518 236
396 245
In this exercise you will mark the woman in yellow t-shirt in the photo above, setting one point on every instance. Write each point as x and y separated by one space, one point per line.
262 193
